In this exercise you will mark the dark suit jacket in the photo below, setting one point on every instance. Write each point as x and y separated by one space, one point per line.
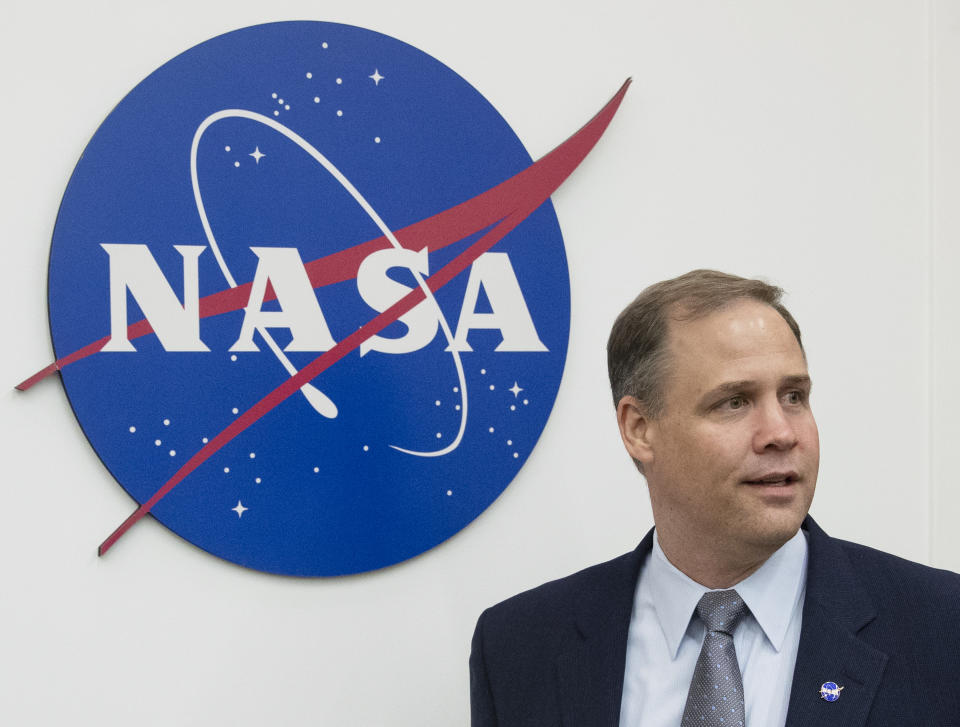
885 629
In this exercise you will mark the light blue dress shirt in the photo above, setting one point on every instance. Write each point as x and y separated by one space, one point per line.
664 640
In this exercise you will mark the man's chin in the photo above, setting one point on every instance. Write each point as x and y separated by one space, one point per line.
772 527
775 512
778 531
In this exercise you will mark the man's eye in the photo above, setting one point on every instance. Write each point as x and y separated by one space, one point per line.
795 397
736 402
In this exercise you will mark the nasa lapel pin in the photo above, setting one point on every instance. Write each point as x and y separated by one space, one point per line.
830 692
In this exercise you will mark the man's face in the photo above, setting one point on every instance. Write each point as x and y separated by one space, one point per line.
733 459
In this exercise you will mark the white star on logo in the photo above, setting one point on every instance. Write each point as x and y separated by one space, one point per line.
239 509
257 155
516 389
376 77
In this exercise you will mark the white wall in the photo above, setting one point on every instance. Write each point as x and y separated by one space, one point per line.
808 141
944 294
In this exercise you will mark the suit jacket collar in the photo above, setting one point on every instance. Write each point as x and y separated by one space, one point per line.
590 668
836 608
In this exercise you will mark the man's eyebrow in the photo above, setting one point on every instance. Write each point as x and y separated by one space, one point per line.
727 389
731 387
802 381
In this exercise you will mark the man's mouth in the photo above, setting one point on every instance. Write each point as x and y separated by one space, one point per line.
774 479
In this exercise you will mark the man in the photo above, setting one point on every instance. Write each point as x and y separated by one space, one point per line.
737 609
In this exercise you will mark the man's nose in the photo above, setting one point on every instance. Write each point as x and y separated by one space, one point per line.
775 428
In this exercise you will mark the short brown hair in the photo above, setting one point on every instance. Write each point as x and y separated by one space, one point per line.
637 355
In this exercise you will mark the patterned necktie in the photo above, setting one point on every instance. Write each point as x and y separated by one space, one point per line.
715 698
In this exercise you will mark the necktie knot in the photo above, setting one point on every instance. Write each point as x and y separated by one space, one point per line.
721 610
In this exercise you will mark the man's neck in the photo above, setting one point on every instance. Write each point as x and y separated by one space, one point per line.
713 566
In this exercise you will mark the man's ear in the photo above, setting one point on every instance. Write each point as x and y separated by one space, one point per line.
636 429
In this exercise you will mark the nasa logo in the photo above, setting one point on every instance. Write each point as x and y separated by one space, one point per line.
309 298
830 691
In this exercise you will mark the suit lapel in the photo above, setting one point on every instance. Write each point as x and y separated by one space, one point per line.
590 667
835 609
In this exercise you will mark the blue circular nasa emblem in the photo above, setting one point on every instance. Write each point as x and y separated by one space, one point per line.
293 311
830 691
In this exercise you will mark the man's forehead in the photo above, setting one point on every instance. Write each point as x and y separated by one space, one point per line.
737 326
744 340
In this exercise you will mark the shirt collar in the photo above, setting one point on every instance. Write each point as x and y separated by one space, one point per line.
771 592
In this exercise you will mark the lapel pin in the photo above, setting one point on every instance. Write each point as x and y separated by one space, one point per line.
830 692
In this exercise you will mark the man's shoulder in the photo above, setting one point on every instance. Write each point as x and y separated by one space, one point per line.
859 553
520 641
563 598
888 574
901 606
